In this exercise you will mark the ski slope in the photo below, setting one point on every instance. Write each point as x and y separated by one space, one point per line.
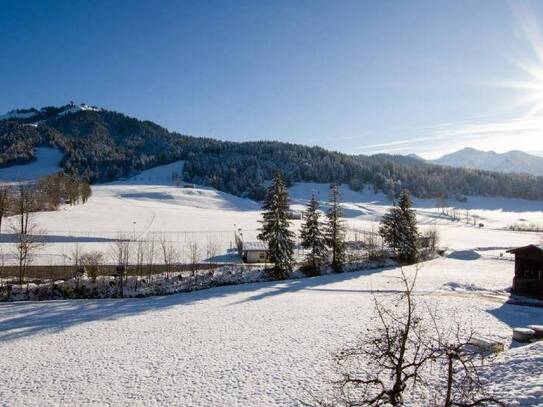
46 163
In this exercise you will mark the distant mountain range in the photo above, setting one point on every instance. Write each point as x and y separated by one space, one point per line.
511 162
100 145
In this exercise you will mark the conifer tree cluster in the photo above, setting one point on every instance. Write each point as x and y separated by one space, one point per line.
317 237
399 229
275 228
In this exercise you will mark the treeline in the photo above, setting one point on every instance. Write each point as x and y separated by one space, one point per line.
102 146
46 194
242 168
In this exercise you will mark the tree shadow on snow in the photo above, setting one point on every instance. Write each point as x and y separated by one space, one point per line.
518 316
25 319
12 238
464 255
292 286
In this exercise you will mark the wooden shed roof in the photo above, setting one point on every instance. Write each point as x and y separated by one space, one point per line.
524 248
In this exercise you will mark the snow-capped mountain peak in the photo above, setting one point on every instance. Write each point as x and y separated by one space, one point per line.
513 161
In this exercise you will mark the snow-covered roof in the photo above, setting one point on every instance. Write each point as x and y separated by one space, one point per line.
255 246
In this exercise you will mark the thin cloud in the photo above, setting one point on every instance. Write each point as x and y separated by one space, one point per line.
523 132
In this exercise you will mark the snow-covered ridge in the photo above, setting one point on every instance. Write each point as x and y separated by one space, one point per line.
72 108
512 161
20 114
32 112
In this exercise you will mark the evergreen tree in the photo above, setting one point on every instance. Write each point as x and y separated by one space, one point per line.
335 230
275 228
399 229
312 236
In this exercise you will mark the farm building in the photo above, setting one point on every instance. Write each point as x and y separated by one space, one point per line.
254 252
528 278
251 252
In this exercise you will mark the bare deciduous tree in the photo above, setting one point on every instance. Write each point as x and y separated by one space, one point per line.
29 238
28 242
5 193
91 261
400 356
388 361
193 251
120 254
212 248
374 245
458 366
150 254
170 254
140 259
432 237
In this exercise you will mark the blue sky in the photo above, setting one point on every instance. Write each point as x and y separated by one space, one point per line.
356 76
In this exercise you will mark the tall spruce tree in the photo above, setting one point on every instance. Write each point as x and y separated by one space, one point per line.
275 228
312 236
335 229
399 229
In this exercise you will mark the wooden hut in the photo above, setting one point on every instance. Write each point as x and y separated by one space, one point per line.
255 252
528 278
251 252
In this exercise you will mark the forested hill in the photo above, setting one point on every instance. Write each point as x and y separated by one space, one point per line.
102 145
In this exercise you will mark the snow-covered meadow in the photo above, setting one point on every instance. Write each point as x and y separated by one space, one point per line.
154 205
252 344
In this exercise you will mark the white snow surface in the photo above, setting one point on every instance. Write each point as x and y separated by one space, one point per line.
46 163
153 203
77 108
256 344
248 345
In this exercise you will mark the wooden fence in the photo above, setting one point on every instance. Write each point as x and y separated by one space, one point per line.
47 272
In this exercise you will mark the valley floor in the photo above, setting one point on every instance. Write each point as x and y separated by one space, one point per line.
254 344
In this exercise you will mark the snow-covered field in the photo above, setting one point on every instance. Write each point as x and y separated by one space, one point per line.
255 344
249 345
151 205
